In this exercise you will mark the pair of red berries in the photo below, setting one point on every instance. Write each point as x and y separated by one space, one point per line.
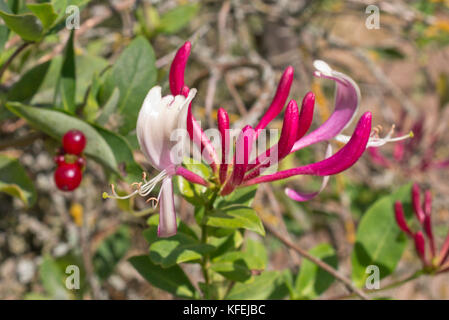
68 175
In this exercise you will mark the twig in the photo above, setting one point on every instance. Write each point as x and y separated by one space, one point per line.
12 57
277 211
390 286
21 141
318 262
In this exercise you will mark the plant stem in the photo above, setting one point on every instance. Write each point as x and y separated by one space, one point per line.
347 282
12 57
205 260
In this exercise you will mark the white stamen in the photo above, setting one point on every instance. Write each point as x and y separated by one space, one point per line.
142 189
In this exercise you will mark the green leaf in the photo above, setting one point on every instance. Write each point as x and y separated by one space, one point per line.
52 279
172 279
193 193
241 196
45 12
134 73
379 241
234 217
111 251
56 124
14 180
128 168
224 244
4 34
312 281
174 250
176 19
68 78
27 25
109 108
257 287
24 89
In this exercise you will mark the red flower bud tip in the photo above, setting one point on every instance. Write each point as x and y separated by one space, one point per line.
177 68
400 218
417 203
420 246
223 127
306 114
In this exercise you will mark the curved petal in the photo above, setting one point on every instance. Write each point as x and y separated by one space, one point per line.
279 99
340 161
303 196
158 118
167 215
347 99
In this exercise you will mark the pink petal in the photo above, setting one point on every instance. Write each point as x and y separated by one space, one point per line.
279 99
347 99
342 160
306 115
177 69
223 127
167 214
400 218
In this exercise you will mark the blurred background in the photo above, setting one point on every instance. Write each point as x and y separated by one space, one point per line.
239 50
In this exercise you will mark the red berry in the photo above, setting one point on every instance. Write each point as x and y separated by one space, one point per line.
81 162
59 159
67 177
74 142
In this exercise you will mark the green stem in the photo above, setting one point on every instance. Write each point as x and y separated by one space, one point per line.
205 260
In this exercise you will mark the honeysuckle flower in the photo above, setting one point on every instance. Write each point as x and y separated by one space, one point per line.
293 136
424 241
158 118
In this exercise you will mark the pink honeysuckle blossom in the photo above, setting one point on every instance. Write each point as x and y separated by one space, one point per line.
423 239
293 136
160 116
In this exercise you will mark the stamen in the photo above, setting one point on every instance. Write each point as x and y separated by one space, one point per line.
143 189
